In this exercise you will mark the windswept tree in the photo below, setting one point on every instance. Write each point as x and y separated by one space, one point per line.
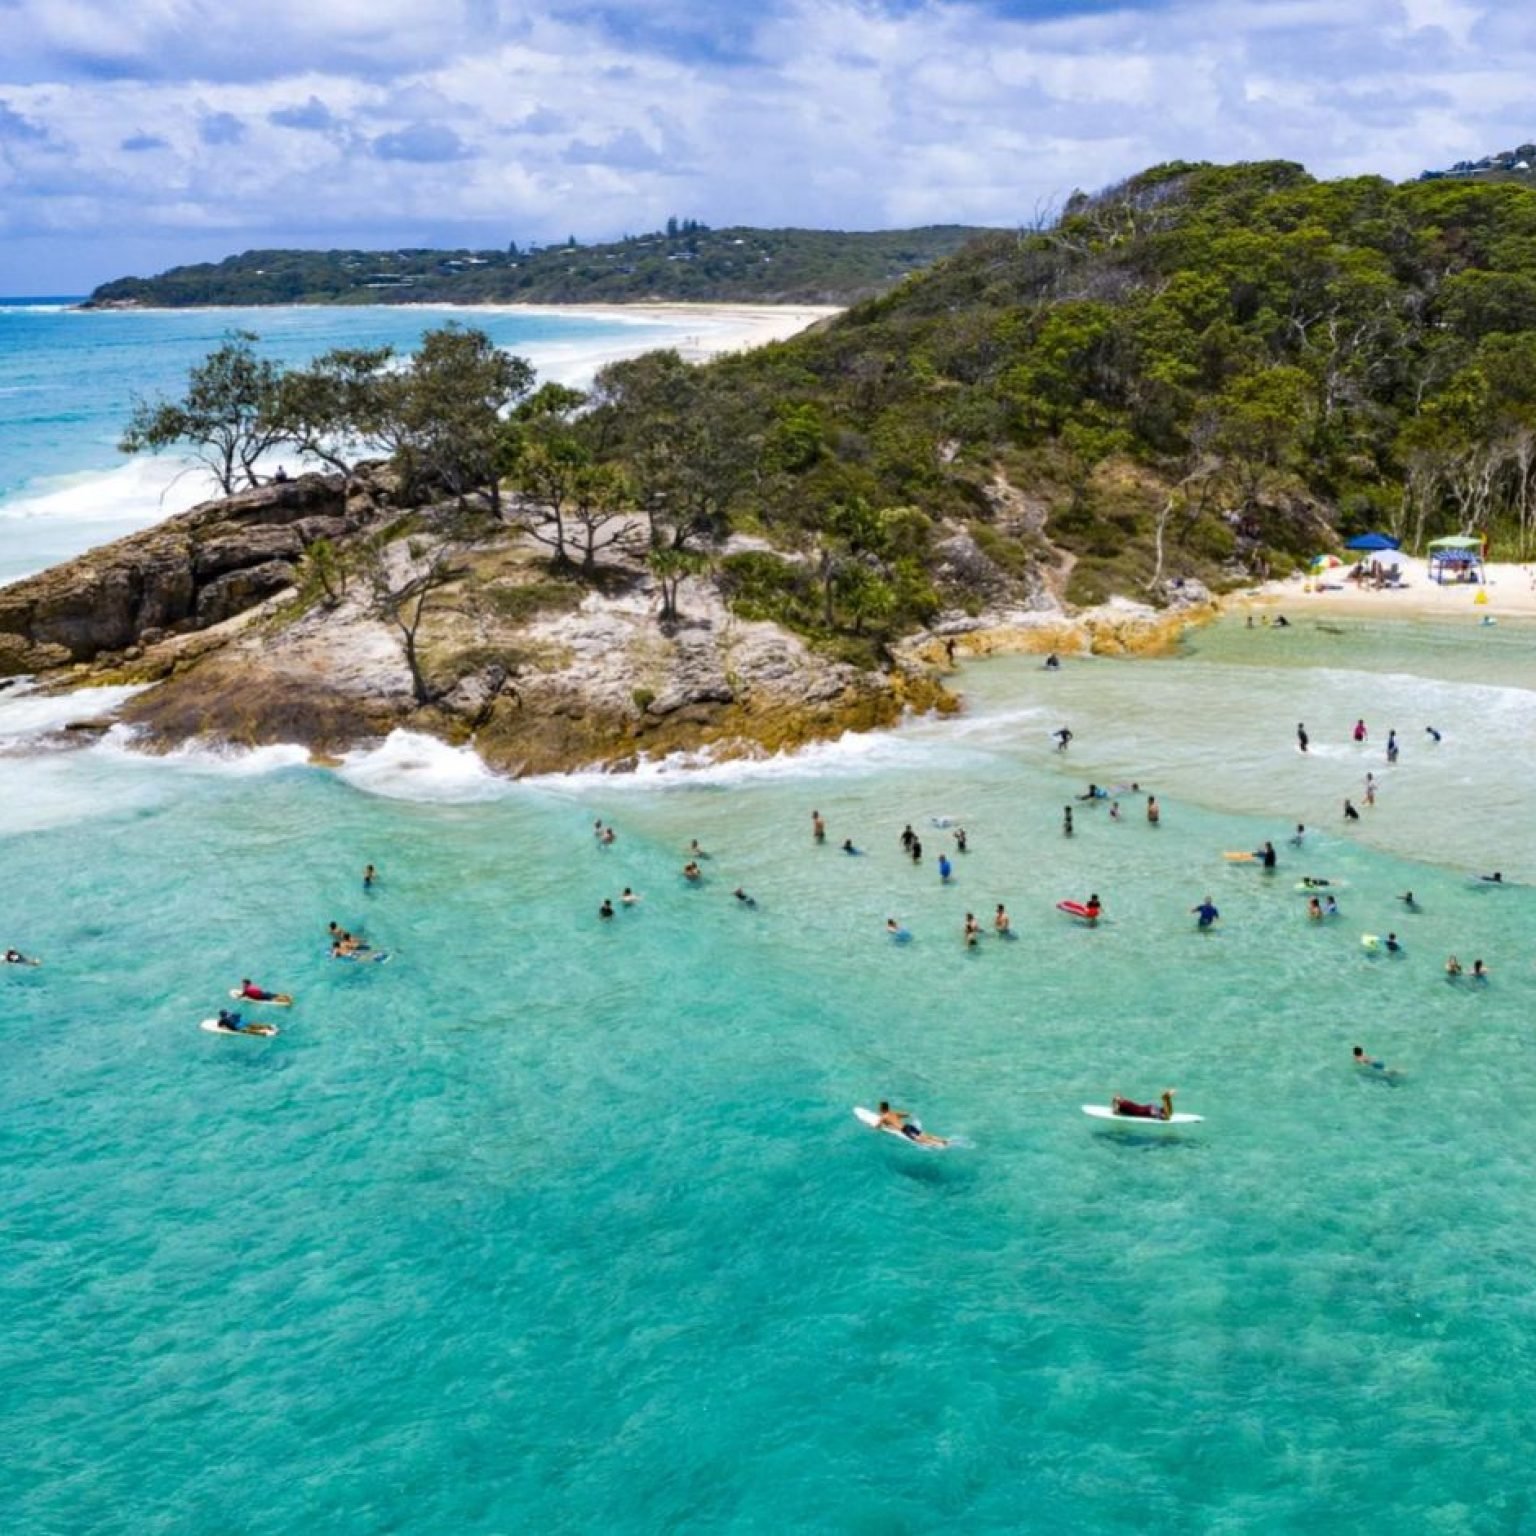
445 415
337 410
225 418
568 499
406 581
689 449
671 567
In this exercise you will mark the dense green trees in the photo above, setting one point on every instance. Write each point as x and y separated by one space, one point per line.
685 261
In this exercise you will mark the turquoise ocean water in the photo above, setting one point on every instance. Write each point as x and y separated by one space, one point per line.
565 1224
560 1224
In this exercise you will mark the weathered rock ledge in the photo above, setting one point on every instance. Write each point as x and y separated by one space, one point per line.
539 672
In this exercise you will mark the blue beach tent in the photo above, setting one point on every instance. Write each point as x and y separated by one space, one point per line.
1373 543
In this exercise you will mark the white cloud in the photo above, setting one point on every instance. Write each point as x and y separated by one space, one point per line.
484 118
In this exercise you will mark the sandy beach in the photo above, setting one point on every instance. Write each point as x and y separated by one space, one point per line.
1510 592
718 328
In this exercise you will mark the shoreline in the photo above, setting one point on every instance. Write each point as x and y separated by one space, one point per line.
1510 593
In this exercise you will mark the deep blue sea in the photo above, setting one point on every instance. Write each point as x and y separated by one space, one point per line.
557 1223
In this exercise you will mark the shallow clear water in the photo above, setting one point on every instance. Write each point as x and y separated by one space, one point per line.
68 379
557 1223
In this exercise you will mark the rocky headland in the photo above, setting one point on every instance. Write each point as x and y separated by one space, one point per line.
276 616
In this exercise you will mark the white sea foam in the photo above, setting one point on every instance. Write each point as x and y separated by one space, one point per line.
410 766
142 491
26 715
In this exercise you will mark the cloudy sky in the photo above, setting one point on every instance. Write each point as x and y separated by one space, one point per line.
134 136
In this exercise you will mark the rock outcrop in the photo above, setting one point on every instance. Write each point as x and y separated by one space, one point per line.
190 572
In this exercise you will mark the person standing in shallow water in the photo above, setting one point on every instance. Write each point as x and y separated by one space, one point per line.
1301 736
818 827
1066 821
1154 815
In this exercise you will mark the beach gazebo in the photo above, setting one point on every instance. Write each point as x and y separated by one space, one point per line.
1461 558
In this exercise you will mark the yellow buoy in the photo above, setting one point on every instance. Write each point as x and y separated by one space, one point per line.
1481 598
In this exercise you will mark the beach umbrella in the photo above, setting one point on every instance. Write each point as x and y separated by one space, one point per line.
1373 543
1324 562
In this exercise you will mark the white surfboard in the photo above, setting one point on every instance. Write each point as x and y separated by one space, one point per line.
264 1032
266 1002
1104 1112
872 1120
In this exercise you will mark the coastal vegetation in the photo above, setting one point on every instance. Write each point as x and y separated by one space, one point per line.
686 261
1205 374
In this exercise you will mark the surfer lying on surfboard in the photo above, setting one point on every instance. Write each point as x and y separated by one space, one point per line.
15 957
232 1024
254 994
900 1121
1134 1111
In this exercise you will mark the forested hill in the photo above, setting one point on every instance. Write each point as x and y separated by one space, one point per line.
1207 371
687 262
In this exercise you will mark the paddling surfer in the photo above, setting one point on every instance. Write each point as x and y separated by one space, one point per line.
900 1121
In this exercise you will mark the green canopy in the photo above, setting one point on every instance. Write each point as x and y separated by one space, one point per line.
1456 543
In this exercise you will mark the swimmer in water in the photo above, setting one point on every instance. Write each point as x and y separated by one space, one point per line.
743 898
1369 1063
1360 732
917 850
1350 813
1154 814
692 872
1266 855
1093 793
1452 966
1001 921
1392 748
908 837
1206 912
628 898
818 827
972 930
1433 734
1066 821
1496 878
370 874
960 841
1394 946
1370 789
848 845
1479 971
1302 738
606 910
15 957
1114 810
1299 836
945 869
1094 907
1408 901
1052 662
346 943
1314 909
895 930
900 1120
695 851
1330 907
607 836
